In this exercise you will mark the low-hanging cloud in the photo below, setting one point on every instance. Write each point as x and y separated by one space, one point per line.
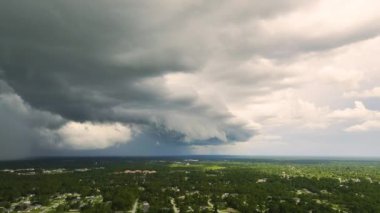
88 135
20 125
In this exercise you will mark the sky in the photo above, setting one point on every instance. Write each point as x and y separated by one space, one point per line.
190 77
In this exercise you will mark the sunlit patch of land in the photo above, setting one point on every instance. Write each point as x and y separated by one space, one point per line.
198 165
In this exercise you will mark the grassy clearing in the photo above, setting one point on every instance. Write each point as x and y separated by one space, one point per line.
200 166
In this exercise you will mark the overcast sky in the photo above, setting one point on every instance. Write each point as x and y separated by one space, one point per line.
92 77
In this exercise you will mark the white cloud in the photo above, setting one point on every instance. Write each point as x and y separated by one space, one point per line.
371 125
359 112
89 135
322 25
347 79
365 119
372 93
329 16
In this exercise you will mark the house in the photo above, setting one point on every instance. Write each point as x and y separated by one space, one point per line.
145 206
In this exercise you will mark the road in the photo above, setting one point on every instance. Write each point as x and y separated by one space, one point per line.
175 209
134 209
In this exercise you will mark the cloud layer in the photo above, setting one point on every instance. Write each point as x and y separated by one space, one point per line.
92 75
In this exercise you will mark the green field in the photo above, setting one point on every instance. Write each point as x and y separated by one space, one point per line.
197 166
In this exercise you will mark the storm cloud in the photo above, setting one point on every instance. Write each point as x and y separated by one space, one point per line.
88 75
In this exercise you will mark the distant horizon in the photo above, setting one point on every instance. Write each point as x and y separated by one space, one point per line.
211 156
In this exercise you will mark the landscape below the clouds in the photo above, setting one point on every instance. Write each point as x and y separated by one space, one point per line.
190 184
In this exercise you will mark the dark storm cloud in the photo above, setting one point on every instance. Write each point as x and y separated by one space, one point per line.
77 58
19 126
58 53
81 60
107 61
